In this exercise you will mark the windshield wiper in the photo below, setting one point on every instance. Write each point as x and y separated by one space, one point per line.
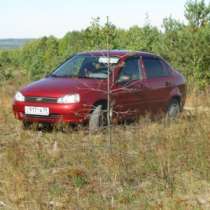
52 75
62 76
71 76
86 77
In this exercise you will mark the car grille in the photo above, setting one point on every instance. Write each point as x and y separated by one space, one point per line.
40 99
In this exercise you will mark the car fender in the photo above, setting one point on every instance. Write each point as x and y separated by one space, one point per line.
175 92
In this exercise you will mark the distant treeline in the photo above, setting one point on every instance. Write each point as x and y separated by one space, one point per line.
185 45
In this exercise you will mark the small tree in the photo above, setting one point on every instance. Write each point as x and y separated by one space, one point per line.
197 13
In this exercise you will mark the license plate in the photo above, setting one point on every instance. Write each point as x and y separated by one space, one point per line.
42 111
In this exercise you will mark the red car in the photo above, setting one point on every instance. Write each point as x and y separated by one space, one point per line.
76 91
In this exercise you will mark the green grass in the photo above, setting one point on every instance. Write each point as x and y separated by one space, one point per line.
151 165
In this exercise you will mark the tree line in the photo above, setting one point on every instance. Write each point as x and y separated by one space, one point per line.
186 45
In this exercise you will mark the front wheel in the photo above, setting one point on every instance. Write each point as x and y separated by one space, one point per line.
98 118
173 109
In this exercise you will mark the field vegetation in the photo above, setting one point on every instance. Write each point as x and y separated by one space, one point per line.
149 165
161 164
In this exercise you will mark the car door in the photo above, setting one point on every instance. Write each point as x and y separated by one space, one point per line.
158 84
127 93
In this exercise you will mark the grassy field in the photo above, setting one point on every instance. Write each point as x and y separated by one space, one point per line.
151 165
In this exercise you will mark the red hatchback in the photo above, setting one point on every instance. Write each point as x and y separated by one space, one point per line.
76 91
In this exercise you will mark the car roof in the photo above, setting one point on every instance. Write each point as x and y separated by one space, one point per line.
117 53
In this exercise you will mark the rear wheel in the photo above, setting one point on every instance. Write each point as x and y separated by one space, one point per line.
173 109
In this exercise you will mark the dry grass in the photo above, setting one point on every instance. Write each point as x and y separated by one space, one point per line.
152 165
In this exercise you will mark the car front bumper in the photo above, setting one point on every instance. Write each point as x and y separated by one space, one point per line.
69 113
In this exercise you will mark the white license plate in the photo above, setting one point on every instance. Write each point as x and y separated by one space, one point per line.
32 110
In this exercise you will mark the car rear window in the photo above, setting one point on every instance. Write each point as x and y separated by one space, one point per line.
154 68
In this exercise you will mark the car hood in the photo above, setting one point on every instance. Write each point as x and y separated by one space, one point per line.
57 87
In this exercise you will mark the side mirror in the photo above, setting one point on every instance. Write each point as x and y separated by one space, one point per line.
124 79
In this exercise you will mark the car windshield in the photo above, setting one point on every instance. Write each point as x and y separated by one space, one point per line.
86 66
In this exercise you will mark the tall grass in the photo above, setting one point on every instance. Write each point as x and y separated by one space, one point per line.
152 165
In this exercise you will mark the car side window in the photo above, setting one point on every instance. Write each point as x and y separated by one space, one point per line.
167 68
130 70
154 68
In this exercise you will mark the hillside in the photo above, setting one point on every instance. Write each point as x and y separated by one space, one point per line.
13 43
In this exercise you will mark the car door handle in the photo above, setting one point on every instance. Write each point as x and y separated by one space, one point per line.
141 86
138 87
168 84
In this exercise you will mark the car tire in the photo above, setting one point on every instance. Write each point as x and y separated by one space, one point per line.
173 109
97 118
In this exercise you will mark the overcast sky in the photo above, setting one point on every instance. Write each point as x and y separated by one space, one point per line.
36 18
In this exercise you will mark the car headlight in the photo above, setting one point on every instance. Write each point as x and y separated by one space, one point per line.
19 97
69 99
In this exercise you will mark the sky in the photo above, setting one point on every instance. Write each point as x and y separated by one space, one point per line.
37 18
